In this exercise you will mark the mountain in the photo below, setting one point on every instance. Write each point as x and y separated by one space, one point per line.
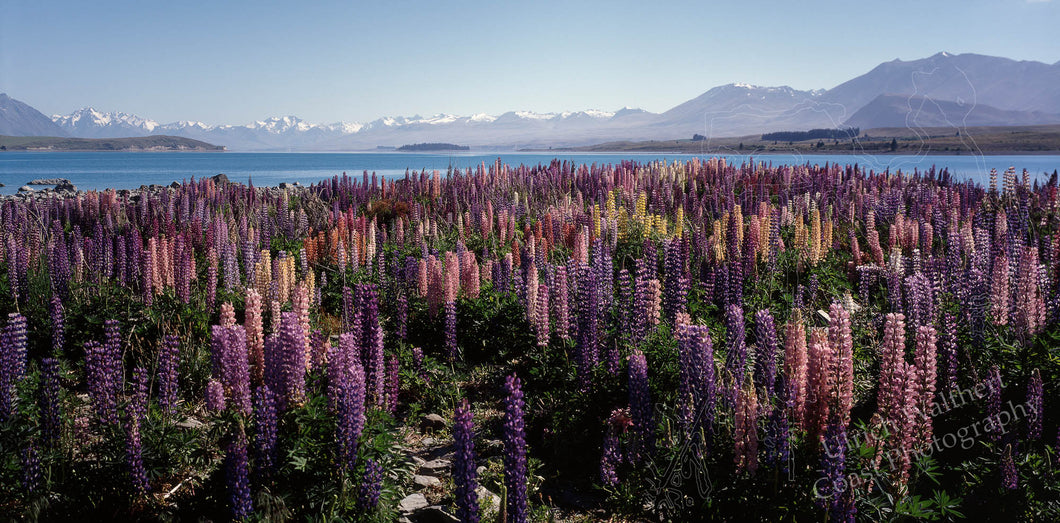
19 119
738 109
940 90
967 78
888 110
90 123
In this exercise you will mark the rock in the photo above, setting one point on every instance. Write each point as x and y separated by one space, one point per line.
25 189
480 471
412 503
190 423
285 185
48 181
2 185
427 442
823 314
174 185
65 185
425 481
219 178
485 496
432 422
434 514
434 467
493 447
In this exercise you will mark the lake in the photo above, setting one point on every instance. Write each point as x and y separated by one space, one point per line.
101 170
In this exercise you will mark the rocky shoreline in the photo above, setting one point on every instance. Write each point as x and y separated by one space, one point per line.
63 188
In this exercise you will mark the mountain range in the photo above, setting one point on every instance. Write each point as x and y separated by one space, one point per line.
940 90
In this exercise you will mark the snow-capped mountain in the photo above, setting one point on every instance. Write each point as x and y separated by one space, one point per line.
1005 90
90 123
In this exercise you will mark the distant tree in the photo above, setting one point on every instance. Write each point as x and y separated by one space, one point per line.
820 143
894 144
698 137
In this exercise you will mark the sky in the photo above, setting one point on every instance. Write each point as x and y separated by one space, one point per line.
233 62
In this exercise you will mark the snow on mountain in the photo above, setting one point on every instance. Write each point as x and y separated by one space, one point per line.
91 123
734 109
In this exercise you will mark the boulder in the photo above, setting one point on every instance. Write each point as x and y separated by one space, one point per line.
219 178
25 189
412 503
426 481
65 185
435 467
487 497
433 422
48 181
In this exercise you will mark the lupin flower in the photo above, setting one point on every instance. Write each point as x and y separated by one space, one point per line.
168 375
349 400
924 360
134 452
464 470
237 476
450 331
640 407
1035 404
795 370
252 323
48 403
766 361
215 396
1009 478
32 478
611 456
745 430
371 485
736 350
58 317
515 451
836 489
993 402
821 362
393 383
264 431
12 362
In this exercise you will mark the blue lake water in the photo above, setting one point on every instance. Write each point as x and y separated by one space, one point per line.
101 170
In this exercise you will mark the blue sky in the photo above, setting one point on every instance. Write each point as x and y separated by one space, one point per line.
233 62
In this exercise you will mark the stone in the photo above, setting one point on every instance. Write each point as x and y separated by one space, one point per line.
434 514
427 442
65 185
823 314
25 188
426 481
48 181
433 422
219 178
174 185
190 423
485 496
412 503
434 467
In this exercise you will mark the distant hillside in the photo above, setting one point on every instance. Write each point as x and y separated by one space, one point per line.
916 111
1026 139
140 143
428 147
19 119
